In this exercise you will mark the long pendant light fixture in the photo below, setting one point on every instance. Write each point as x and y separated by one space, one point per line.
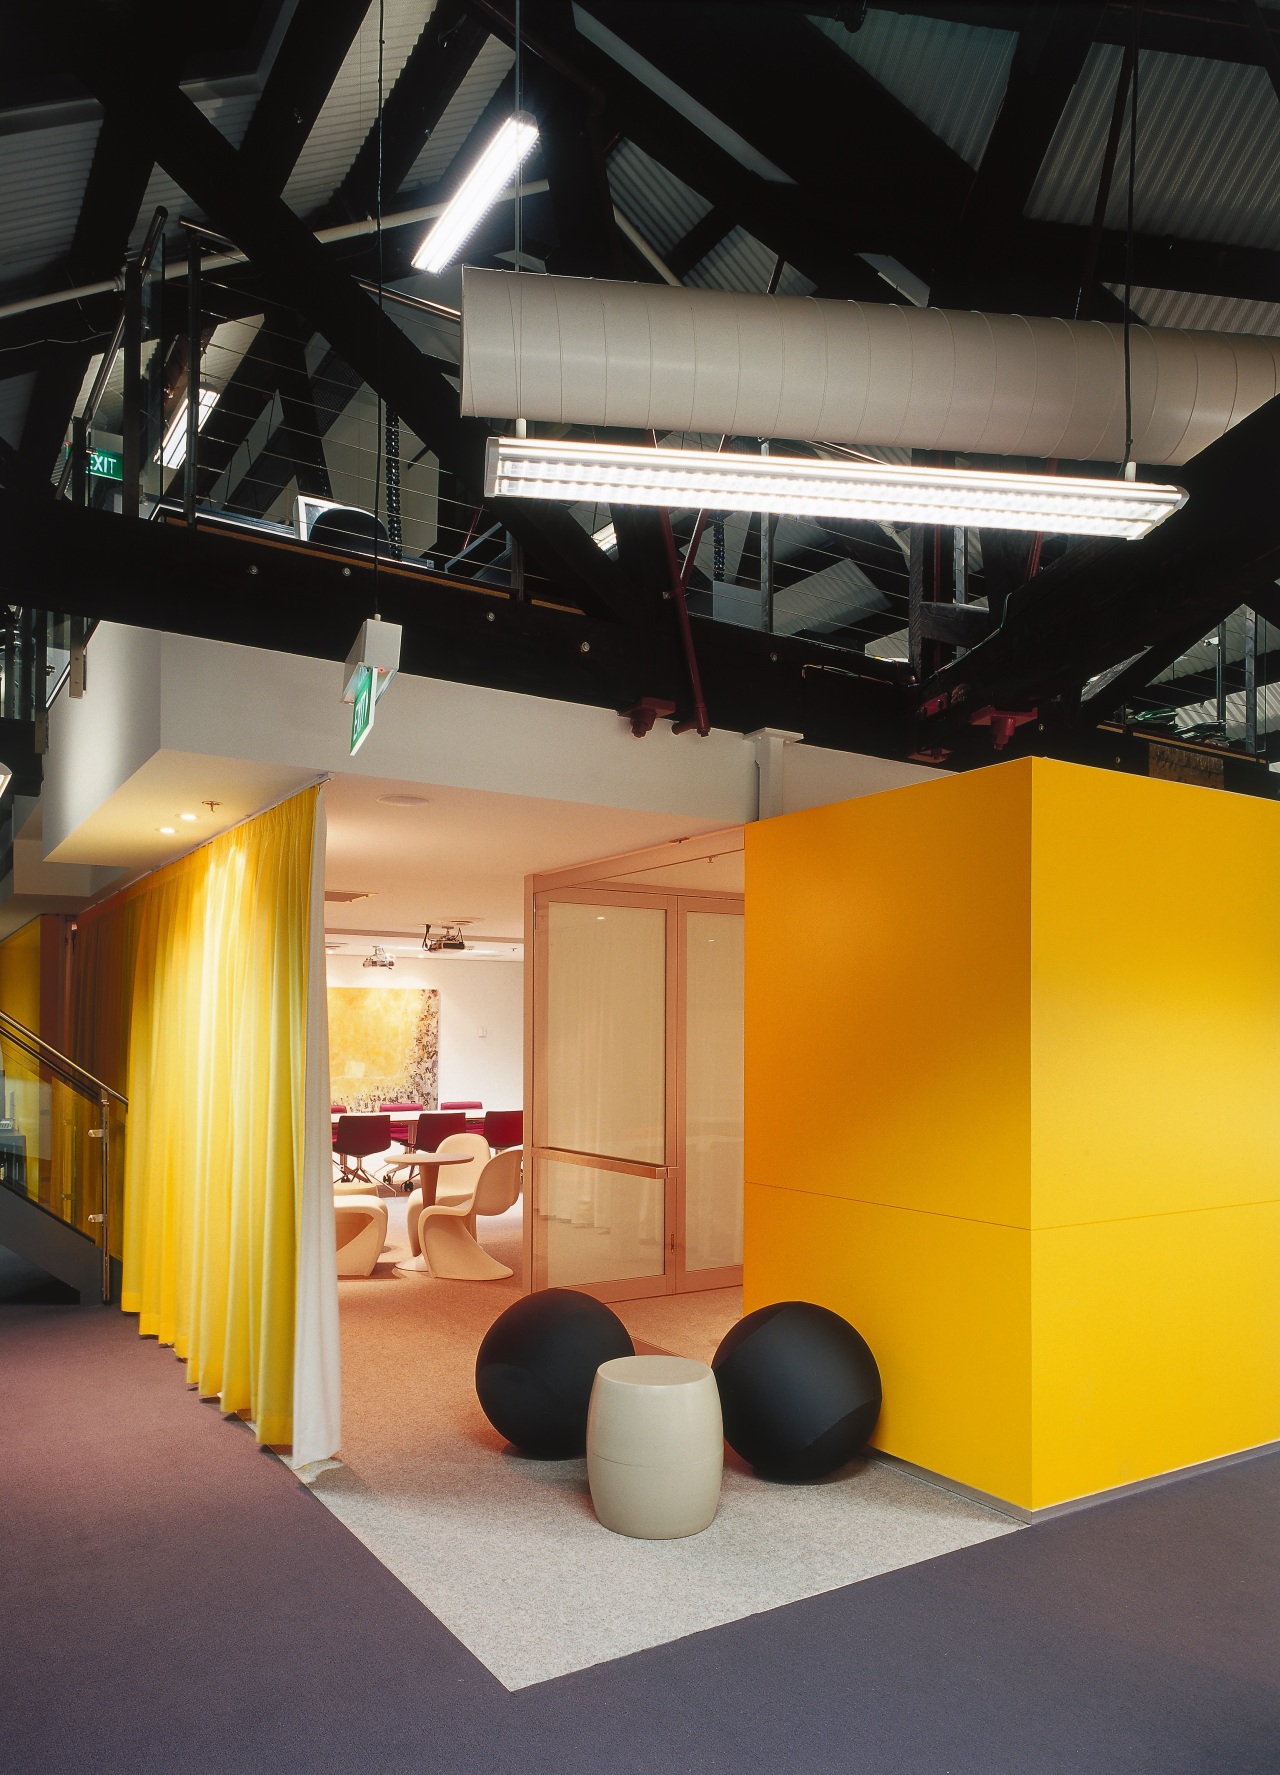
628 474
478 193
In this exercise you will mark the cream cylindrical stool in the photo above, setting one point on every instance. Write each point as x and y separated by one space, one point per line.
655 1446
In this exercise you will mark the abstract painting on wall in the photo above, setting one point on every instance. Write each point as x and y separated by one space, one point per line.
384 1046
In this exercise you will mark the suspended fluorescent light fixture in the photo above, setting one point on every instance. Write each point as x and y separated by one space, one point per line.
173 450
630 474
477 194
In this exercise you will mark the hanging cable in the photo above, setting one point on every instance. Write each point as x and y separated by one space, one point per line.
378 438
519 98
1128 246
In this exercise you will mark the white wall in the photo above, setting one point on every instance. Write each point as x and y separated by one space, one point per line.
166 713
474 995
98 741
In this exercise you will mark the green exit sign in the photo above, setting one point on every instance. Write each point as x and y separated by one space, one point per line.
362 708
106 465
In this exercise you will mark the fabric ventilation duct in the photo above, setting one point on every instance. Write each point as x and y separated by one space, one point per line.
582 351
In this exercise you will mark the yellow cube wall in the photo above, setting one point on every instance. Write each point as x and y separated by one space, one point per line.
1012 1052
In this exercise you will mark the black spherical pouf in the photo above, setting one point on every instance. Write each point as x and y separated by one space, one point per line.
799 1389
536 1367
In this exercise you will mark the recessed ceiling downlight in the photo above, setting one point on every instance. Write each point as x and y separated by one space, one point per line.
403 800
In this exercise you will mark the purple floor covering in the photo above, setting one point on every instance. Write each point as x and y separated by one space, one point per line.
175 1600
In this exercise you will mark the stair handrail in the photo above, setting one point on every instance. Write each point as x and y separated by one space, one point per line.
80 1079
43 1050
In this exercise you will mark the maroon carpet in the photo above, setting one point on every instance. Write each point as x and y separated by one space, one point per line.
175 1600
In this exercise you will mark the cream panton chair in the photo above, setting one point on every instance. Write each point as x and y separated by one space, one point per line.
454 1183
361 1223
446 1239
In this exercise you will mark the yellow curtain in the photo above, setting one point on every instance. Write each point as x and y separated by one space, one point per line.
199 974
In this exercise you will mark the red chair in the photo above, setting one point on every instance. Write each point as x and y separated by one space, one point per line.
356 1138
435 1125
404 1120
473 1109
504 1127
336 1109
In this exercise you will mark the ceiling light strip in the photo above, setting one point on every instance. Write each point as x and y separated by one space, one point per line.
626 474
478 193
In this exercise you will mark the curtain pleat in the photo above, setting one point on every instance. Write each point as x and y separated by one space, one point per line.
192 987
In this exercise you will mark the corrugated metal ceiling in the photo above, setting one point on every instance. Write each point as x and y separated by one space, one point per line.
351 108
1208 156
14 395
741 262
232 118
951 76
1214 314
661 206
43 173
483 79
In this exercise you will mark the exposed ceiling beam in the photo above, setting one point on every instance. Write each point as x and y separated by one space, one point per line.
293 265
113 195
692 248
1056 251
82 561
896 192
1105 602
306 65
1052 46
1100 705
1203 28
558 545
788 219
589 243
1263 41
315 45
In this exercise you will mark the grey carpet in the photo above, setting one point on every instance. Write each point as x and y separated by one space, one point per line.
175 1600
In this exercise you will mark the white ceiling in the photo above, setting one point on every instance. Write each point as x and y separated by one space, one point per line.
465 853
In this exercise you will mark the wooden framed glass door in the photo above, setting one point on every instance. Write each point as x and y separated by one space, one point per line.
709 1086
635 1152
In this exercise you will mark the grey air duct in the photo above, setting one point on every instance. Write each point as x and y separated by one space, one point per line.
582 351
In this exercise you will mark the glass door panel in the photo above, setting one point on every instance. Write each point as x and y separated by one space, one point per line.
602 1097
599 1226
605 1068
713 1092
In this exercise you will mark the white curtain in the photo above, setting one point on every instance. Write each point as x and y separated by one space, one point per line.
317 1372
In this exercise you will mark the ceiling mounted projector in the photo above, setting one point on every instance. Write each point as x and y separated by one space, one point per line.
449 936
378 958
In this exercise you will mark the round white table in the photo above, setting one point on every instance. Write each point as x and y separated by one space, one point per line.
428 1166
428 1169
